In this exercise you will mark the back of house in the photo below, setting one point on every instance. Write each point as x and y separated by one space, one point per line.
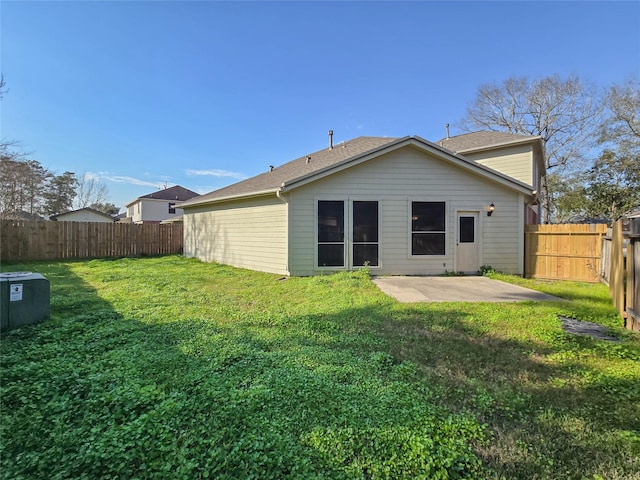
400 206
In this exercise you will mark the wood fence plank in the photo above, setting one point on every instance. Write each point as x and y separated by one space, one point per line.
564 252
47 240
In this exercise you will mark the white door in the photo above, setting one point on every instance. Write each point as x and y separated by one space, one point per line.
467 245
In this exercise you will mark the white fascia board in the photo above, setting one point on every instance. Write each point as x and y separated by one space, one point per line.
230 198
338 167
421 144
501 145
463 162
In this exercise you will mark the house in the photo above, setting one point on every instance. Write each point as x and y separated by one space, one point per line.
518 156
158 206
22 215
403 206
83 215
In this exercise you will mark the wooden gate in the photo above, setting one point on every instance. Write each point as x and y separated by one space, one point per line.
564 252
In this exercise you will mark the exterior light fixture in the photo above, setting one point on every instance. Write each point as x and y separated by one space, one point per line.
492 207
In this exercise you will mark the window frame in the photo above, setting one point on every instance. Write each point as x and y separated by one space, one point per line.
445 205
317 243
172 206
350 232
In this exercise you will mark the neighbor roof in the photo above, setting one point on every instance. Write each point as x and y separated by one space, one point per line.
177 193
309 167
85 209
482 139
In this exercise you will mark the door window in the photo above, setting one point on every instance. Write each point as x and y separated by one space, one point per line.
467 230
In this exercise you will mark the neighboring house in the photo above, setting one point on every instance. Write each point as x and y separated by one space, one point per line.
158 206
83 215
22 215
404 206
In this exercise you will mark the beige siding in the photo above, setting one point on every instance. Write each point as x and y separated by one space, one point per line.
248 234
395 180
516 162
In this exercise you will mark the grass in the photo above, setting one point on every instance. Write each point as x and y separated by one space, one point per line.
171 368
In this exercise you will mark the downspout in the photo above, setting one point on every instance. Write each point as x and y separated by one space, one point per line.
280 197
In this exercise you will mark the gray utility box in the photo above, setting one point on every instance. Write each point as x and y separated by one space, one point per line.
24 299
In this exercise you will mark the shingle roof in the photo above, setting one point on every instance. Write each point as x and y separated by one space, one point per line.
316 163
298 168
85 209
172 193
22 215
481 139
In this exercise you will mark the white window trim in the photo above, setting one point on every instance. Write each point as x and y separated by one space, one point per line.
356 198
348 233
447 242
315 235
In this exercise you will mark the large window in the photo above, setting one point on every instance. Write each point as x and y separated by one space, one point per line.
428 228
365 233
330 233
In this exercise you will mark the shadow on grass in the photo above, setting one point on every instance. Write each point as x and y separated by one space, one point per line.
96 393
369 391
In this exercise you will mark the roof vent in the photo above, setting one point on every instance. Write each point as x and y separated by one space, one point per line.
271 168
308 160
330 139
446 125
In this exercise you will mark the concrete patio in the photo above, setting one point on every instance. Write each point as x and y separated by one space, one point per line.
456 289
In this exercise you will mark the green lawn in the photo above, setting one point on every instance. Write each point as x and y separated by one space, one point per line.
171 368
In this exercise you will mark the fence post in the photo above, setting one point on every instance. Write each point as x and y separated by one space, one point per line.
617 274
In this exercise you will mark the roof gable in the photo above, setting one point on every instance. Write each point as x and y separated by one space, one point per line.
423 145
172 193
177 193
325 162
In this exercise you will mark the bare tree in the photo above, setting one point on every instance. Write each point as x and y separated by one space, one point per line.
3 86
621 125
564 113
90 190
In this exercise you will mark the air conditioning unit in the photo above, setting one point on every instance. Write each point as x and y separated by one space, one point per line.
24 299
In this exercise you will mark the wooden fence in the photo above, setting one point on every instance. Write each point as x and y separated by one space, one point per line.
605 259
22 241
624 278
564 252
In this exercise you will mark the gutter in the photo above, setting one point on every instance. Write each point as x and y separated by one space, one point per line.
280 197
500 145
261 193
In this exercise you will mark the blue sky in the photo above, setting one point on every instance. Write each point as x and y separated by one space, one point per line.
202 94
